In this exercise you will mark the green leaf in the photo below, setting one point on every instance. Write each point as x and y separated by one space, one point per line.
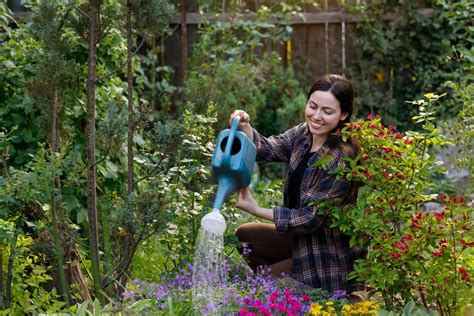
138 306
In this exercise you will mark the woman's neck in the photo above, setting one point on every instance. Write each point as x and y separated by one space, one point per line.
318 141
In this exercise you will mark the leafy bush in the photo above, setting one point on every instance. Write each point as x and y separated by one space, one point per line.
413 255
29 276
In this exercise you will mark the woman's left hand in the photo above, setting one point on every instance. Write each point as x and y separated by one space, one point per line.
246 202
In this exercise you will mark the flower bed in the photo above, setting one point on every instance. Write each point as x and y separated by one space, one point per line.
247 293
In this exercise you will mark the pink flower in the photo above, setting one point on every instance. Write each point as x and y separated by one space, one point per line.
439 216
464 274
273 297
368 175
461 199
444 243
273 306
257 303
395 255
243 312
442 196
437 253
401 245
370 116
407 238
305 298
263 311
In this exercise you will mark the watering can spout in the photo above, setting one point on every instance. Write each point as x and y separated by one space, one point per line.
226 185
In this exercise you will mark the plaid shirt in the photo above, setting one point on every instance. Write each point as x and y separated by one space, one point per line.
322 257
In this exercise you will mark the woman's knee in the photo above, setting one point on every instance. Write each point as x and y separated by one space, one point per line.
245 232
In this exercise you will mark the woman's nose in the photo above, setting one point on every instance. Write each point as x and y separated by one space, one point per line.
317 114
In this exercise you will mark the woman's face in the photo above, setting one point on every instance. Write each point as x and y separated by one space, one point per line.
323 113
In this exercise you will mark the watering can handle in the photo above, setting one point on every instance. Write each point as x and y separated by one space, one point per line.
230 140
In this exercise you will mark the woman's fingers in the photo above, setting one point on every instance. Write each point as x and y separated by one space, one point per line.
244 117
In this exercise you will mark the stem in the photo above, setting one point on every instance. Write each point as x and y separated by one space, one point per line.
121 65
150 174
5 155
1 278
11 259
452 226
54 215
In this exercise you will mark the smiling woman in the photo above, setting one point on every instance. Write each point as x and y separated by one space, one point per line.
301 243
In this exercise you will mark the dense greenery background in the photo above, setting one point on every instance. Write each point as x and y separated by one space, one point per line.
44 61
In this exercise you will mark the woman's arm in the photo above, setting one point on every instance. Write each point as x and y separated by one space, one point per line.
274 148
301 220
247 203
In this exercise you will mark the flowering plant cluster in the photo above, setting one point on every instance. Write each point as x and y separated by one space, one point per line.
246 294
412 254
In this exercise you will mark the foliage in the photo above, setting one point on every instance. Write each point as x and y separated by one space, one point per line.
412 254
461 127
94 308
29 275
400 59
175 190
232 62
150 16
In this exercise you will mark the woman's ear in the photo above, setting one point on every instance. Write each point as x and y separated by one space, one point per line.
344 116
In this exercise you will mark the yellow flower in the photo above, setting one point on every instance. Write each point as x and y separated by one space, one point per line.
315 310
380 75
365 308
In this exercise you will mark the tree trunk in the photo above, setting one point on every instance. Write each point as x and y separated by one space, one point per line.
130 102
58 249
126 253
94 6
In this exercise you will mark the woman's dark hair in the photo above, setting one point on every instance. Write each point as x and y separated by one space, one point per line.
341 88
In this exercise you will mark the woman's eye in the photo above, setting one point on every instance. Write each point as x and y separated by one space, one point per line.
328 112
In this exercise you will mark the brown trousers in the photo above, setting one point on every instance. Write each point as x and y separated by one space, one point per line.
267 247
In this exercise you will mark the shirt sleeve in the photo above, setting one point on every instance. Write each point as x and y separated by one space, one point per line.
306 219
276 148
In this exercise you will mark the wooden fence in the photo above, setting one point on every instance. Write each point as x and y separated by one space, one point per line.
322 41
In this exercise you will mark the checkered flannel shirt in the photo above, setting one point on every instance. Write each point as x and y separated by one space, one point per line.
322 257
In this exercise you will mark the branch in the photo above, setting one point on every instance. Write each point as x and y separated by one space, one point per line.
81 12
158 164
4 162
123 64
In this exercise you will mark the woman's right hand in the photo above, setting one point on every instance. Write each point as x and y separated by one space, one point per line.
244 124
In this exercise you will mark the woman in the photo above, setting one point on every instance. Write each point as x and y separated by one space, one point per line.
301 243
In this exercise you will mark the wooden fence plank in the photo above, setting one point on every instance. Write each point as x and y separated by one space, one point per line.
335 49
316 52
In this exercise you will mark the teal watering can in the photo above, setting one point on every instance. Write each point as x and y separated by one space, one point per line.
232 167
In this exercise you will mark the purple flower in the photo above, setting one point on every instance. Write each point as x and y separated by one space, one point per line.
336 295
